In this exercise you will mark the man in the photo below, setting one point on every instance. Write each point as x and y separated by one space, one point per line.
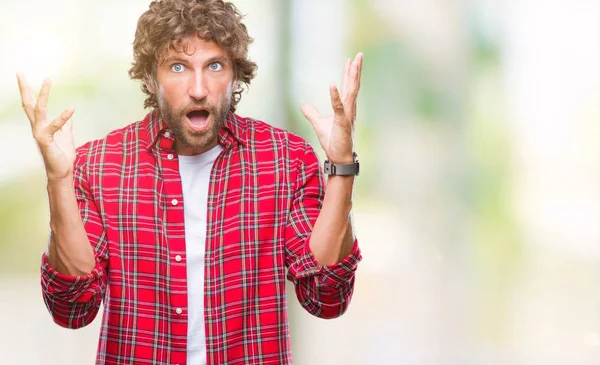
187 223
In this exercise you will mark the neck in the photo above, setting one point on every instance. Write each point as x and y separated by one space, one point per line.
184 150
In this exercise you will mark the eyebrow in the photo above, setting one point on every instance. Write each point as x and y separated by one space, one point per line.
221 59
174 58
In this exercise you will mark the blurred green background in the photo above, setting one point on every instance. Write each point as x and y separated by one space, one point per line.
478 204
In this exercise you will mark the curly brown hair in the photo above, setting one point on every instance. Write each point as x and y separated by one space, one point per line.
167 22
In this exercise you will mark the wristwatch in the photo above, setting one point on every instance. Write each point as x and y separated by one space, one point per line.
345 169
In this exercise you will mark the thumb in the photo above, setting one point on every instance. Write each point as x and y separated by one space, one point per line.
311 113
69 124
62 119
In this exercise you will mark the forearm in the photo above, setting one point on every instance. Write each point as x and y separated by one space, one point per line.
69 250
332 238
323 272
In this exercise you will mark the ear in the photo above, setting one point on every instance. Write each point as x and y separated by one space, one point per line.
150 85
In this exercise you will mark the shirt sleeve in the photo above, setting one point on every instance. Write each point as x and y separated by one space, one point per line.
73 301
324 291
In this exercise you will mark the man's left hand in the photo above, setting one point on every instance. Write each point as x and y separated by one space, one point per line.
336 133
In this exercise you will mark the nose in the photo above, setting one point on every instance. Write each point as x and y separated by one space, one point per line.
197 88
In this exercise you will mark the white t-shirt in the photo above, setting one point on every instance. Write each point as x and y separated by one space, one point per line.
195 175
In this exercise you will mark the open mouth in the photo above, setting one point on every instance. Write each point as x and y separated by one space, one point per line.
198 119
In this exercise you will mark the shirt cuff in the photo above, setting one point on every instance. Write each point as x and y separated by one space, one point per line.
330 275
67 287
342 272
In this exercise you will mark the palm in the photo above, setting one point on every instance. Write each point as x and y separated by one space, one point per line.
334 137
61 151
336 132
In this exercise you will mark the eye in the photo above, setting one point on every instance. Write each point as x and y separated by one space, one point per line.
177 67
215 66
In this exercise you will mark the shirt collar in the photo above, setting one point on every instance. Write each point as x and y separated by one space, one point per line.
233 129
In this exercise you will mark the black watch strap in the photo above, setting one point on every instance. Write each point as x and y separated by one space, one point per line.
342 169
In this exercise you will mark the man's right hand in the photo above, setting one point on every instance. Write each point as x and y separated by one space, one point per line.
54 138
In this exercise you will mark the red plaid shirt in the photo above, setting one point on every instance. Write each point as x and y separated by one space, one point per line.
265 193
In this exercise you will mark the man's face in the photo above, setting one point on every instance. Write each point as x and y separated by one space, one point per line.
194 94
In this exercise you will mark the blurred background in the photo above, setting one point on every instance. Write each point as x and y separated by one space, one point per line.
478 204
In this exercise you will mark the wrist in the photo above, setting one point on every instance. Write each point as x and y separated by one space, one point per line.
350 168
341 159
65 181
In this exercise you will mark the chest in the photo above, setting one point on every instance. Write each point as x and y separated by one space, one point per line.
239 213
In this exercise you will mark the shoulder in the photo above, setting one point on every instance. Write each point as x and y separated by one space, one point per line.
262 134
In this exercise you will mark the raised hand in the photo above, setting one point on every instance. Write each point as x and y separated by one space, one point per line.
54 138
336 133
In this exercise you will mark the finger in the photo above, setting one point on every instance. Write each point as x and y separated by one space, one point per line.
42 101
354 84
345 78
62 120
310 112
27 100
336 103
351 84
361 57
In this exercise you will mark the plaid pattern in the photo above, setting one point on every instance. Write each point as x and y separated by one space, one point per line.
265 193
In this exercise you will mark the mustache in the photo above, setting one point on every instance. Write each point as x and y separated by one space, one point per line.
202 104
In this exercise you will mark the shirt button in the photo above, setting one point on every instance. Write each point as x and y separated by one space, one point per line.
178 310
178 258
167 134
174 202
170 156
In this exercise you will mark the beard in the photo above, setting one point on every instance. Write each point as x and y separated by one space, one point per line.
175 120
